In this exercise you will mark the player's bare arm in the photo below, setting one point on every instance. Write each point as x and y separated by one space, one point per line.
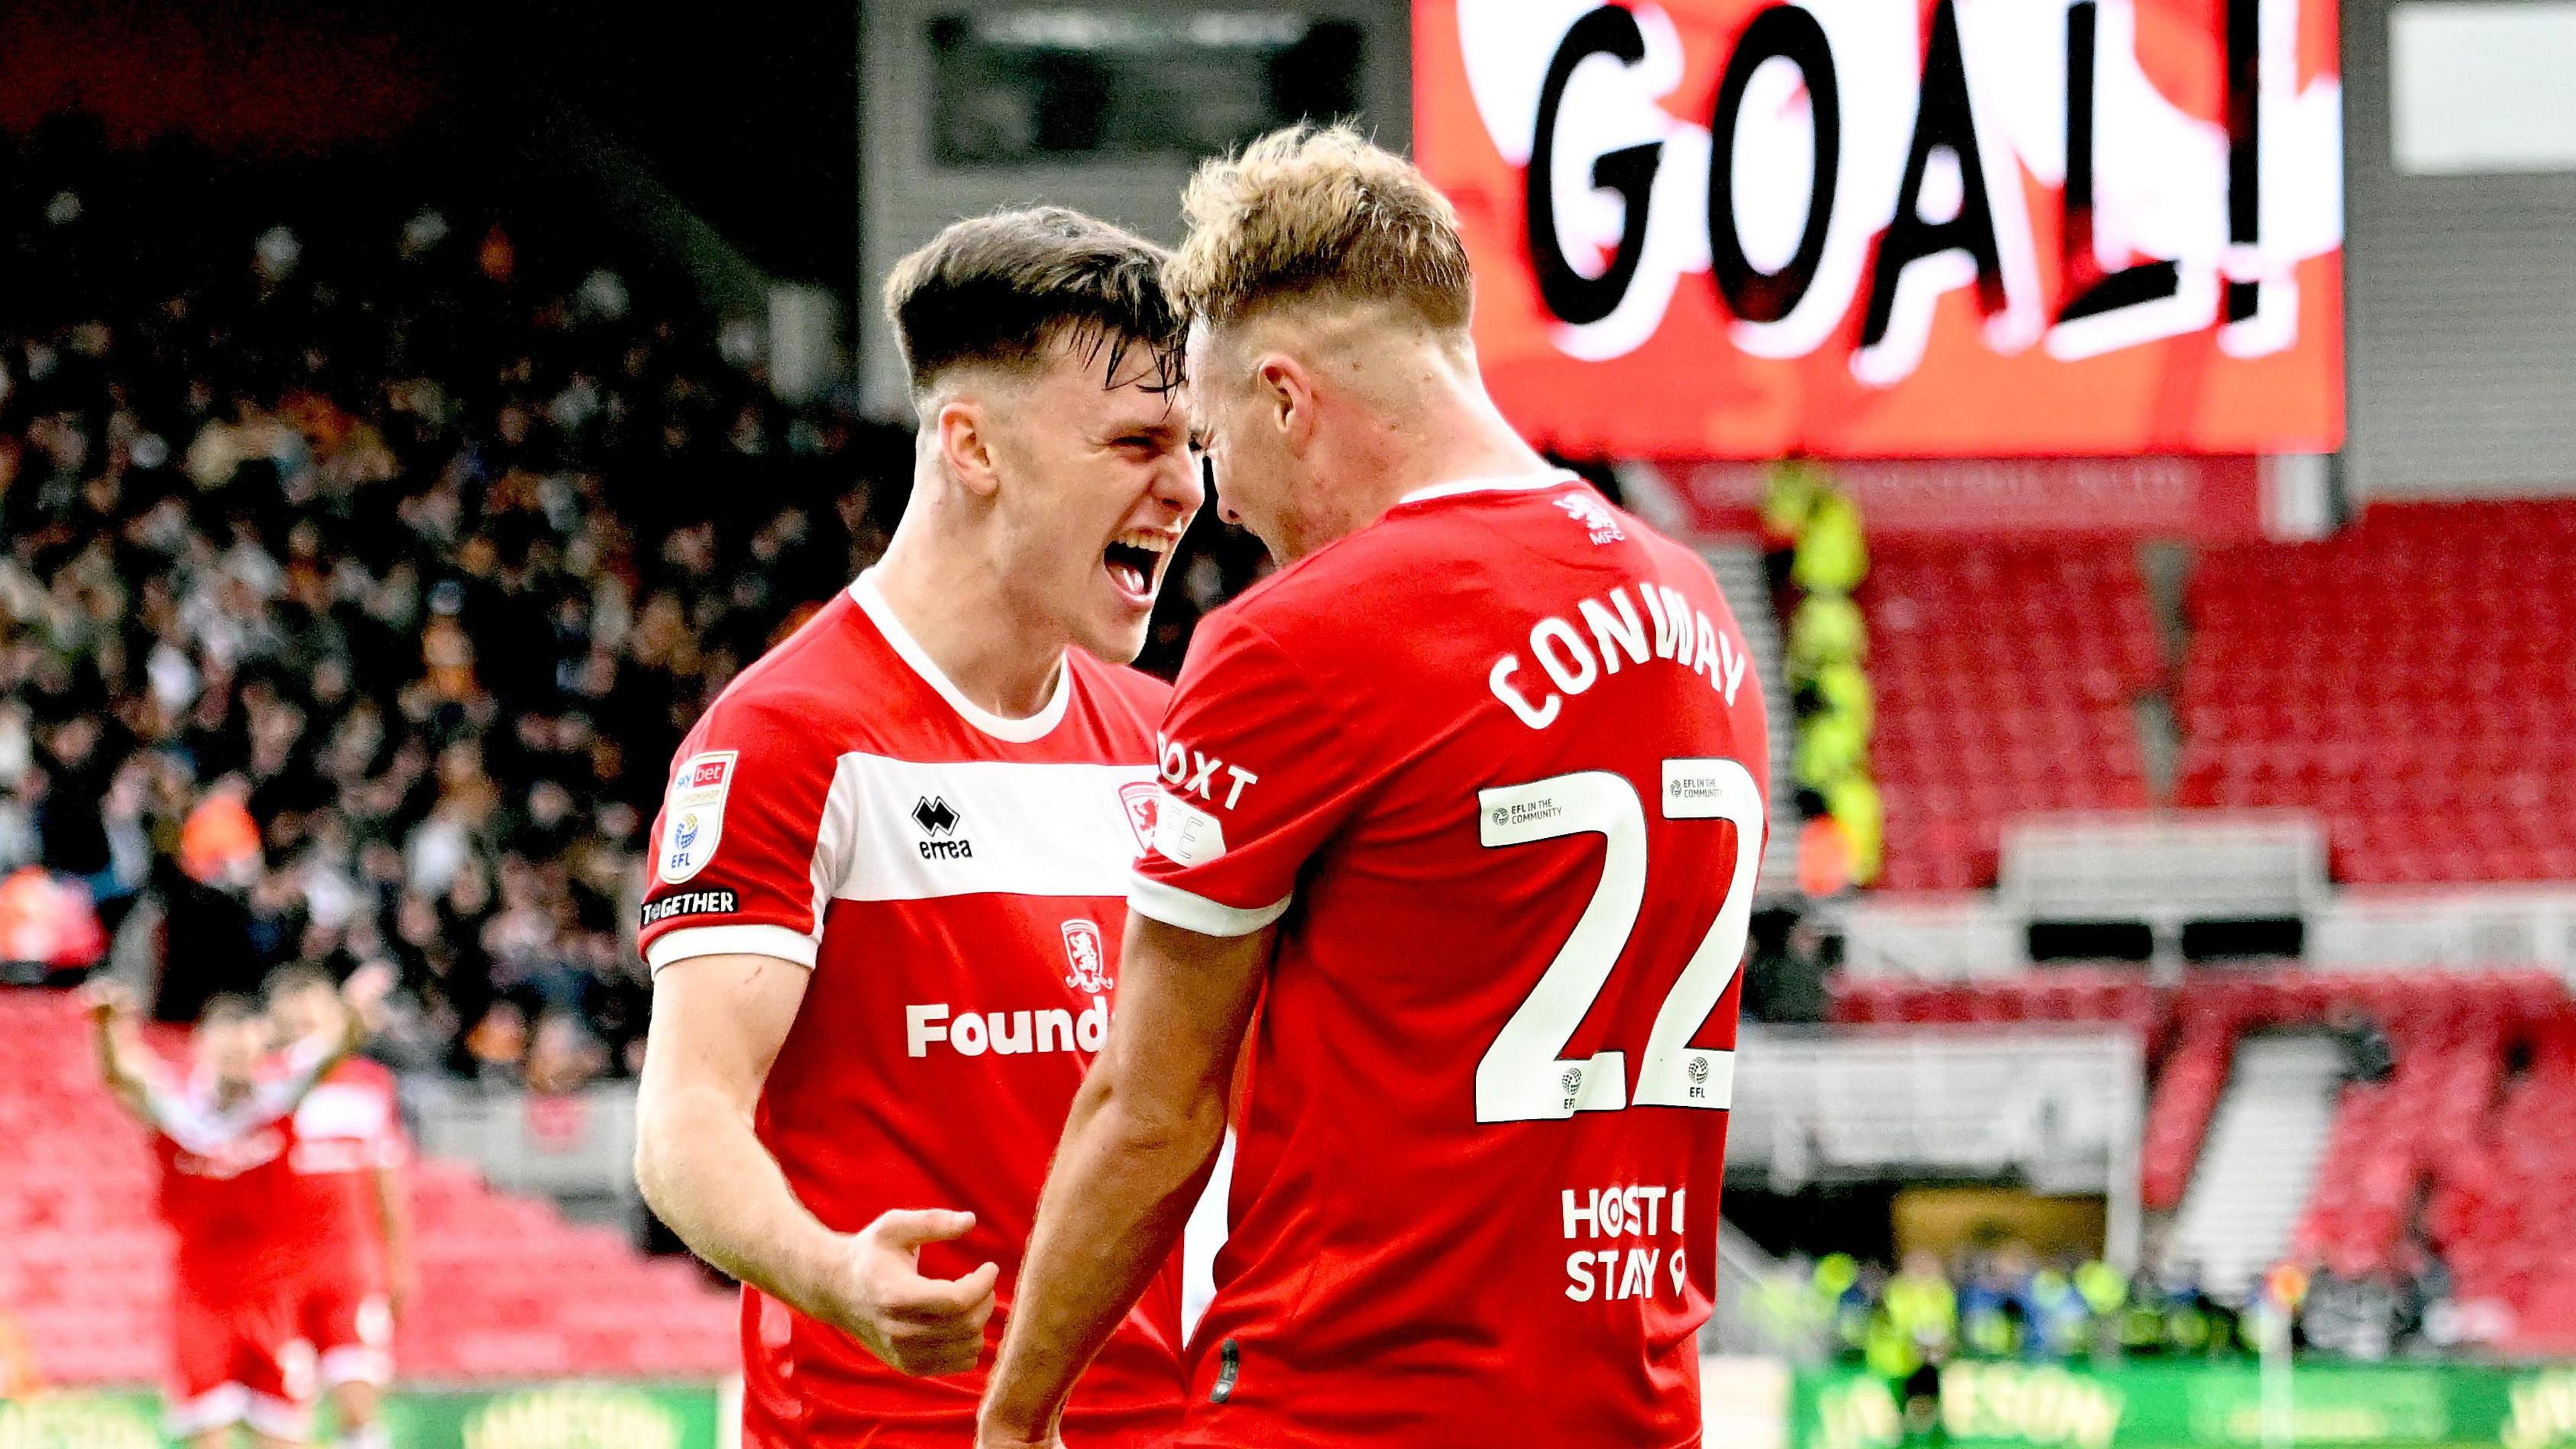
393 1221
1137 1150
364 995
122 1061
718 1022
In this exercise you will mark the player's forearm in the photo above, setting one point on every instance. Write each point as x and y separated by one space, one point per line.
709 1179
116 1066
393 1221
1115 1205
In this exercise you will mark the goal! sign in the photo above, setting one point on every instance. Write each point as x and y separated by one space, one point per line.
1897 228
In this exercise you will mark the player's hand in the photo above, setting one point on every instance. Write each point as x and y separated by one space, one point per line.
920 1326
107 999
365 992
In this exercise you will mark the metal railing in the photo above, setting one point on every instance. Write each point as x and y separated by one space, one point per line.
578 1148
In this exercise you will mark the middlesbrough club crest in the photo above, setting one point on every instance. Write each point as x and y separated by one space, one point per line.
1082 947
1143 800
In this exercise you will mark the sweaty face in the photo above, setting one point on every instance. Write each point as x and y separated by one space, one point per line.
1098 480
1247 450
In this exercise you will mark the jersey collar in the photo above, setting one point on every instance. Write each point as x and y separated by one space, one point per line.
1511 483
872 602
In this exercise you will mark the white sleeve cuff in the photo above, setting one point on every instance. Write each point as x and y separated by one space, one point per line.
778 941
1174 906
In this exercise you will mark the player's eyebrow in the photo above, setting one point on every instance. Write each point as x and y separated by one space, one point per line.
1171 422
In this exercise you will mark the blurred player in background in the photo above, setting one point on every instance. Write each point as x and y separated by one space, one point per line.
1469 798
888 877
225 1134
350 1208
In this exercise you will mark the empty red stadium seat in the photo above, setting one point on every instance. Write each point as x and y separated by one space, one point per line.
2406 679
2004 676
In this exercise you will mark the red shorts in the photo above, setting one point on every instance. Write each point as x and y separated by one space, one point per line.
350 1326
239 1358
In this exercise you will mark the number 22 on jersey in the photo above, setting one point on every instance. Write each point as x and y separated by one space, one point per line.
1523 1076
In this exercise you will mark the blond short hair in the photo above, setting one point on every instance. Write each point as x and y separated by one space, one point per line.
1318 212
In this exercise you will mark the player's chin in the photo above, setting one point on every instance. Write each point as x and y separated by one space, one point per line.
1117 643
1115 627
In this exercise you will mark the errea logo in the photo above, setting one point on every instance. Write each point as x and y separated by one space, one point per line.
938 821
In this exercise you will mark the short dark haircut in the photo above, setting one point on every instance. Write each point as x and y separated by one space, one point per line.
1001 289
298 976
225 1007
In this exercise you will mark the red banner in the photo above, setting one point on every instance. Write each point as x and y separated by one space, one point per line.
1897 228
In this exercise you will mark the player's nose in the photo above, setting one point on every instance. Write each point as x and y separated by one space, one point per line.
1177 482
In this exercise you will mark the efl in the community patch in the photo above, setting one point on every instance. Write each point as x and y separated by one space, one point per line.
693 816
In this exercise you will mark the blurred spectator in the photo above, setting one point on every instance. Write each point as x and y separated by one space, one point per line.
563 1057
360 569
2368 1055
2003 1302
497 1048
47 923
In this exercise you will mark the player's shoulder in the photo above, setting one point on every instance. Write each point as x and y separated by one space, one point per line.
1325 591
792 697
1437 542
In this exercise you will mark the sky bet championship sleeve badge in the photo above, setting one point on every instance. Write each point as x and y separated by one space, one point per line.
693 818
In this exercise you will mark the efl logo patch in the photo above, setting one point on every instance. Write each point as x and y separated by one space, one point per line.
1140 797
693 816
1082 947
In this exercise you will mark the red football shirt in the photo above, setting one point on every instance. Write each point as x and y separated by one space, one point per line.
955 879
226 1186
346 1129
1496 766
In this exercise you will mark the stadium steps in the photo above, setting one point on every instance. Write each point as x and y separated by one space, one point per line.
1737 563
2260 1158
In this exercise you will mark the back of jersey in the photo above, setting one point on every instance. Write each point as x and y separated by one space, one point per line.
1496 766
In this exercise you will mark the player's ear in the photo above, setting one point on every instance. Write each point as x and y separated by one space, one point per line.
966 445
1287 395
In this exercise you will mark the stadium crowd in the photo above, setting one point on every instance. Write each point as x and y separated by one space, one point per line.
362 573
2006 1301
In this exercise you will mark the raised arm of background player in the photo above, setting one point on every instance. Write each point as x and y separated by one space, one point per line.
131 1072
1137 1151
122 1061
718 1022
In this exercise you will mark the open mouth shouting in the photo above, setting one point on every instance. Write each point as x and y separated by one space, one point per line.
1135 560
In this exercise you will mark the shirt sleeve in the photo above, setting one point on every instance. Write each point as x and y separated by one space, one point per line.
1257 771
741 861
